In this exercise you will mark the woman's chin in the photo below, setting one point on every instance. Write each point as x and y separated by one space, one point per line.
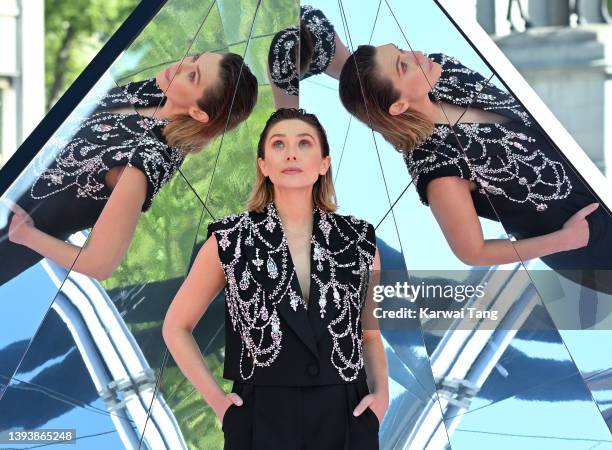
293 185
161 81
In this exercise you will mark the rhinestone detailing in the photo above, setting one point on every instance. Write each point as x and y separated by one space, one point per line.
272 270
283 50
105 139
512 165
526 177
463 86
342 246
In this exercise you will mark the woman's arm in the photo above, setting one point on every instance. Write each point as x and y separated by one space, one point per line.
281 98
340 56
204 281
375 360
451 204
109 239
284 100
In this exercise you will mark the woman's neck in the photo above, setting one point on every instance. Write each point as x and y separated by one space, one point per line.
295 211
440 113
154 111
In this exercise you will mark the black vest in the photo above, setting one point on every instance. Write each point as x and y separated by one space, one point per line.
462 86
271 336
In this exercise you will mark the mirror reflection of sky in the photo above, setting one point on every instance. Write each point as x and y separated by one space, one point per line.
366 190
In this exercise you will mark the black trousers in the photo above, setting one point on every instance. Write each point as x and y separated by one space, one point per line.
300 418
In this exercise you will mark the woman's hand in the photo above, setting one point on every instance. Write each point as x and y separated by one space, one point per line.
576 229
21 224
377 402
230 399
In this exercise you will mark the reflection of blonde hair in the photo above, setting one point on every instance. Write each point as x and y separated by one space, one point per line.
227 104
323 192
368 96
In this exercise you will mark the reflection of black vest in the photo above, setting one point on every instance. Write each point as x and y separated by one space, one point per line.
462 86
271 337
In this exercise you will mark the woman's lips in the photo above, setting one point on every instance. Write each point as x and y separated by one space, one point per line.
167 73
291 171
430 63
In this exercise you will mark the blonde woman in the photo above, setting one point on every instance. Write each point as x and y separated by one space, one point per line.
294 272
119 158
473 151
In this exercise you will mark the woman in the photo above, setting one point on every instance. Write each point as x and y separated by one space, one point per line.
140 133
494 162
319 49
295 274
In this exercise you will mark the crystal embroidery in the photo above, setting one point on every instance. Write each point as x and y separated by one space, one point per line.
272 270
325 228
283 70
252 302
83 157
244 281
295 300
224 242
257 261
463 86
494 164
493 155
318 256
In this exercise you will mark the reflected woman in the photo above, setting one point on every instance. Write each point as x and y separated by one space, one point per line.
295 275
315 44
119 158
494 162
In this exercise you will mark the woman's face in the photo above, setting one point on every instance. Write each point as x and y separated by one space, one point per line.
185 81
293 156
411 73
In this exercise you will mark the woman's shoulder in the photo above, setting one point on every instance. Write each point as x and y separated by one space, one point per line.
443 58
432 147
227 222
355 228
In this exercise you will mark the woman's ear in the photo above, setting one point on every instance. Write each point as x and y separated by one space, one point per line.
198 114
262 166
398 107
325 165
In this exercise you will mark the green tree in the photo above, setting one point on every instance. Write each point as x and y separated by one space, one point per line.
75 30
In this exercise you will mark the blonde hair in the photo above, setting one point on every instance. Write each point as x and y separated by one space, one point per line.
323 192
368 96
227 104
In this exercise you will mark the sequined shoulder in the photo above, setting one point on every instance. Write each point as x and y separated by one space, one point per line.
359 231
226 224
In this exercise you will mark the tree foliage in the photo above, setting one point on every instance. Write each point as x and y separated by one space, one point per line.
221 174
75 30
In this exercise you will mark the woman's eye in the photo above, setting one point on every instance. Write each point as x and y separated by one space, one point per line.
192 76
304 143
278 144
404 66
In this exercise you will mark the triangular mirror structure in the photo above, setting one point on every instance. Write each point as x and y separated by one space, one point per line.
505 170
476 78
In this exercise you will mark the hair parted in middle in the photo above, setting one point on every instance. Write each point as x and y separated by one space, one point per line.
323 192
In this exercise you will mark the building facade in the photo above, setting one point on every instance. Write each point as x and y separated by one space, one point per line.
563 48
22 72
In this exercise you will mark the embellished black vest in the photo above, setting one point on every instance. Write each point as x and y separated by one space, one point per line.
105 139
514 166
272 337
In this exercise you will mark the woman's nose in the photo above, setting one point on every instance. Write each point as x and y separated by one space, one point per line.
290 153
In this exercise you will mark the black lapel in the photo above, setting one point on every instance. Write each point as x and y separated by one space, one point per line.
331 243
269 261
